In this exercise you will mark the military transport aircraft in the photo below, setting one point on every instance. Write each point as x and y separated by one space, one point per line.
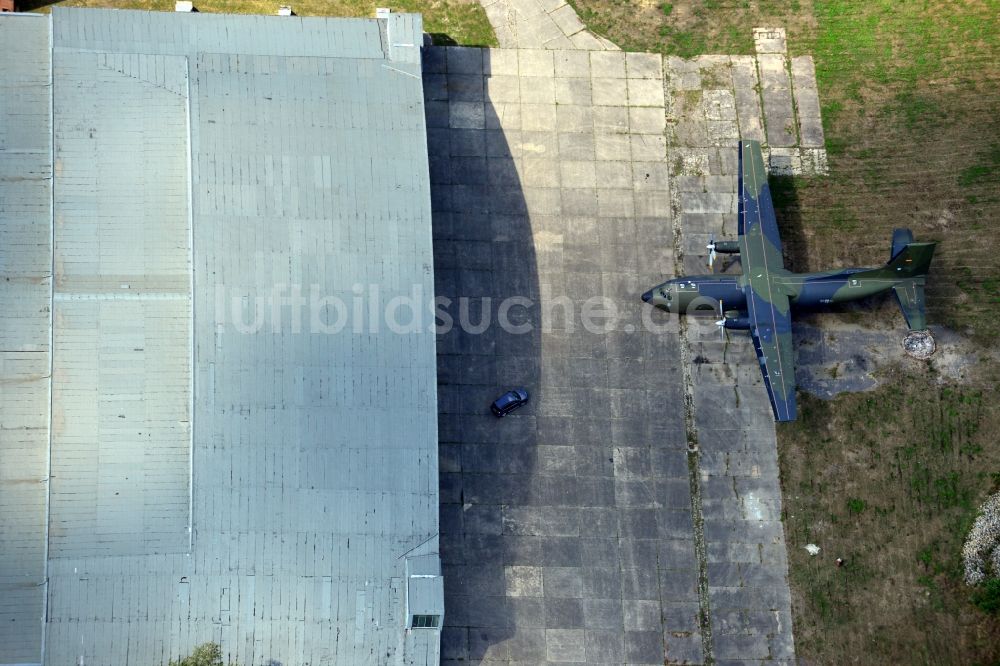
760 300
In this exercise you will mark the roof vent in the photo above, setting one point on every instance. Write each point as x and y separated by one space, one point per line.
424 592
183 6
285 10
382 12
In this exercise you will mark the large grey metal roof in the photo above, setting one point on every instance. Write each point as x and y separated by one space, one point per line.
122 307
25 267
263 489
177 33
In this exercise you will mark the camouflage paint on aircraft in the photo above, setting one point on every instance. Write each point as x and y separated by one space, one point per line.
761 299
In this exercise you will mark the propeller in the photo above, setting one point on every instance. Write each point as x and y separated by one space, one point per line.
721 323
711 250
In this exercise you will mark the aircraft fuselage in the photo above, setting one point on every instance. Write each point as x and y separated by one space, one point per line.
700 294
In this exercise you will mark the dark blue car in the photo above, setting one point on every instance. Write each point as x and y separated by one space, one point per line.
509 401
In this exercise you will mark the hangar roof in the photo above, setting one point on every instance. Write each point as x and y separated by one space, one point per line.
223 465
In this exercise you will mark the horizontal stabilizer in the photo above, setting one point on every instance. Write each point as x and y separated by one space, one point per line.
910 295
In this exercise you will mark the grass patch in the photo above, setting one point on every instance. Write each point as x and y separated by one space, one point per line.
206 654
449 21
926 455
987 597
984 171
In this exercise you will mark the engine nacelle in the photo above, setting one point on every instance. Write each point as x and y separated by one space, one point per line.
726 247
737 323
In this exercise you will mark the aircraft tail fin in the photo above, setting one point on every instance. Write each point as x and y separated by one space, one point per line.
912 260
900 239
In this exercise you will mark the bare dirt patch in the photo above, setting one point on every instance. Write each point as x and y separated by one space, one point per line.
693 27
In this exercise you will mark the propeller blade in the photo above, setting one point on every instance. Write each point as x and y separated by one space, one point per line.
722 322
711 250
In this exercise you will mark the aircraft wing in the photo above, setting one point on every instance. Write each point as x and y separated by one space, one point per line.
760 244
767 305
771 330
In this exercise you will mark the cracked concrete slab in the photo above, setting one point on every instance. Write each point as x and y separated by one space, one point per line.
807 102
769 40
715 100
541 24
779 116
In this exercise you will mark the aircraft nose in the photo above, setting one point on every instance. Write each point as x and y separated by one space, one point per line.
648 295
